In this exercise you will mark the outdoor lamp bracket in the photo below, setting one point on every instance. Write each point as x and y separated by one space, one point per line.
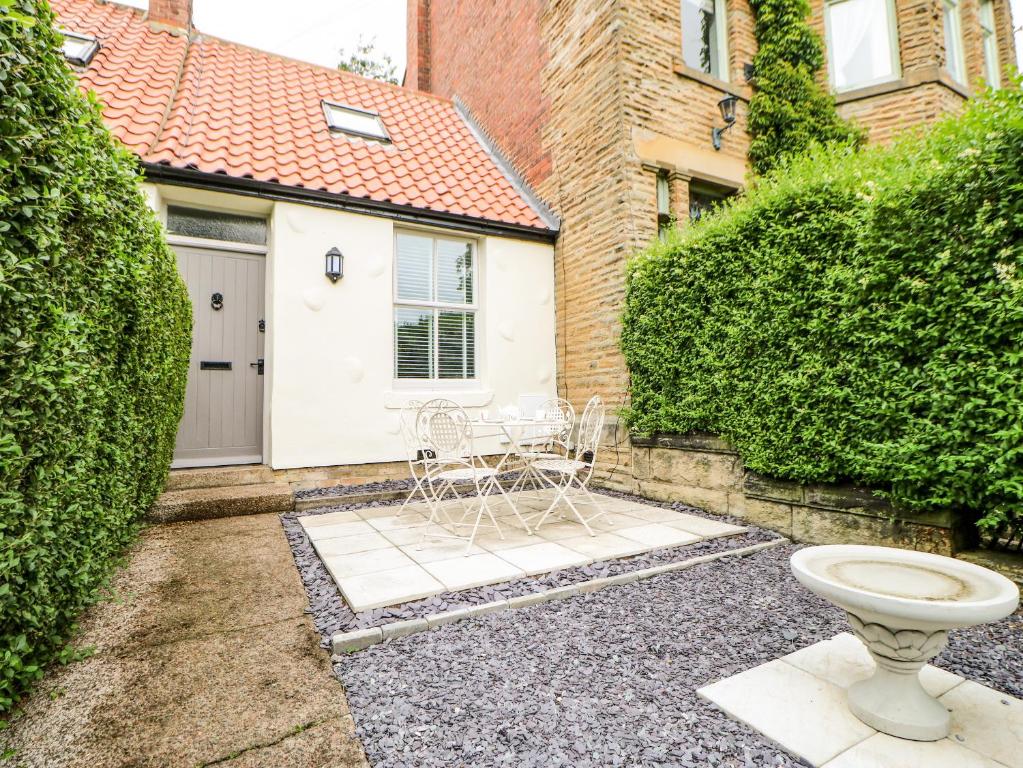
335 265
727 107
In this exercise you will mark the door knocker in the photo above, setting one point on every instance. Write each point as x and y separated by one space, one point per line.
217 301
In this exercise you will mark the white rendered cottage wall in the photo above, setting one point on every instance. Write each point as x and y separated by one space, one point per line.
333 398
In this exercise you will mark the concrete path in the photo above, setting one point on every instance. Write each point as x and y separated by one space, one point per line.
204 657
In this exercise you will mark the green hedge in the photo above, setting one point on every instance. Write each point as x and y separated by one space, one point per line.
790 110
94 344
854 317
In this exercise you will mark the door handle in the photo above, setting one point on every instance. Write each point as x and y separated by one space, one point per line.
258 365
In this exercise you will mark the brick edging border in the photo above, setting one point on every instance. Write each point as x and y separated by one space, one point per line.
358 639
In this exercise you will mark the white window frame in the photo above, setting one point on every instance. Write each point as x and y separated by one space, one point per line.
957 41
381 136
893 49
721 33
434 382
989 44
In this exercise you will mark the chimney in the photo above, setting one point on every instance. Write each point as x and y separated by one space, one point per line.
417 46
171 13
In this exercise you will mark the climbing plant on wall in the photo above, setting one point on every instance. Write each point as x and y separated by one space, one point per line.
790 110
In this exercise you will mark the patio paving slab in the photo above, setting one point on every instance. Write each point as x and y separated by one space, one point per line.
543 557
987 721
344 545
884 751
603 546
389 587
336 530
658 535
359 563
802 713
472 571
206 657
799 702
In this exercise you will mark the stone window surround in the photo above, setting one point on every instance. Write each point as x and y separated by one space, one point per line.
678 186
895 48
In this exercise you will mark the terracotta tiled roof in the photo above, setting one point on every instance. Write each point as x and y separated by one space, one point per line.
219 107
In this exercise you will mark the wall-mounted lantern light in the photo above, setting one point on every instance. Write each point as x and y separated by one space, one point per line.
335 268
727 107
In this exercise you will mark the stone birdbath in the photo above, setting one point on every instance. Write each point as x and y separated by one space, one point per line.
901 605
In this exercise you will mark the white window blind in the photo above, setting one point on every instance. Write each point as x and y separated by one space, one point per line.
861 43
435 308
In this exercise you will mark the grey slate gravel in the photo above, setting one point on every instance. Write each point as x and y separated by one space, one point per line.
603 679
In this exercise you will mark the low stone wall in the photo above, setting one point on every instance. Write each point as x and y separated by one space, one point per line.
704 471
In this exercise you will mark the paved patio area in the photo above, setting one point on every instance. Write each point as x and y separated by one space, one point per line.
799 703
378 558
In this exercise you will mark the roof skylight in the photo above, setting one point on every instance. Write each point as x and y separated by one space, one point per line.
355 122
79 49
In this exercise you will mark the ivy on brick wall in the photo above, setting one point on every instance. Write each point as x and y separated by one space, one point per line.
95 329
790 111
854 317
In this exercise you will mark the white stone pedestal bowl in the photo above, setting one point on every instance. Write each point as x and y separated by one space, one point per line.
901 605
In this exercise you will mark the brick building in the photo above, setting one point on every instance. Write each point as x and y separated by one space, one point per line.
606 108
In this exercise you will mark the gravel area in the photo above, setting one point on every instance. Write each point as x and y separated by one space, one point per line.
610 678
603 679
331 614
345 490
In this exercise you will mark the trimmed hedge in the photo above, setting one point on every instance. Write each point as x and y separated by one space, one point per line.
790 110
854 317
95 329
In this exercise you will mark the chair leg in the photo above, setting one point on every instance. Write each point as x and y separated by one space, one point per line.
529 531
558 496
572 506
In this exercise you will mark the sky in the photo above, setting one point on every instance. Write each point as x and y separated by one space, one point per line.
311 30
315 30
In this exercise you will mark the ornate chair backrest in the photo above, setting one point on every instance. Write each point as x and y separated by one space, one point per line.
443 427
407 420
590 427
562 415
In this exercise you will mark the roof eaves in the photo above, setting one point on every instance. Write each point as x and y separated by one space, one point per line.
549 218
222 182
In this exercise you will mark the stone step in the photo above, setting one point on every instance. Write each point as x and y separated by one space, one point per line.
218 477
226 501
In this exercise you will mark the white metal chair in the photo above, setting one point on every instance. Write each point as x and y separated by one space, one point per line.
445 431
576 471
414 453
552 440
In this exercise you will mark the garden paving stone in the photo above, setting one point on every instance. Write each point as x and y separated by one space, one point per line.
345 516
396 585
319 532
844 660
542 557
884 751
472 571
397 522
603 546
345 545
360 563
657 535
987 721
802 713
439 549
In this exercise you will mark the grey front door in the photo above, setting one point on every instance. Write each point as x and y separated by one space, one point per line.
223 421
